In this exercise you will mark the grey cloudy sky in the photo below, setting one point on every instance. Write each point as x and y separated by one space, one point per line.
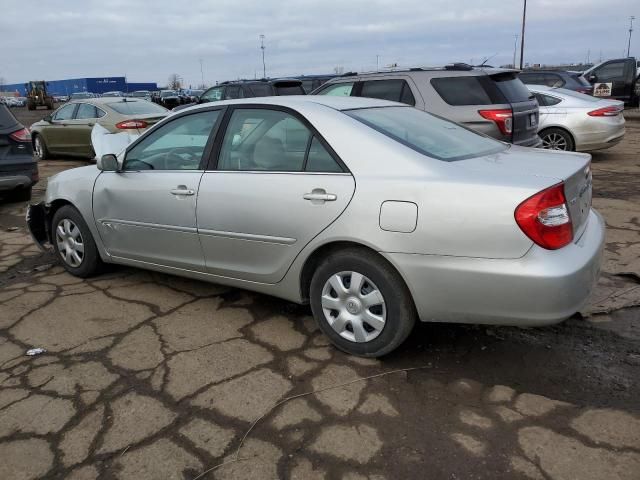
149 40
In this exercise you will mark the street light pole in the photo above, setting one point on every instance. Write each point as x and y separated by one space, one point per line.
631 19
524 19
515 48
262 47
201 74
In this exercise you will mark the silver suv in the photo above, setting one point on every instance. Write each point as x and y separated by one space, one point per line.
492 101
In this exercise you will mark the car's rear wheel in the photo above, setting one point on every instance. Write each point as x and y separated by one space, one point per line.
556 139
74 244
40 147
361 303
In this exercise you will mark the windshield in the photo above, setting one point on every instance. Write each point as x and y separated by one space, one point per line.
137 107
426 133
168 93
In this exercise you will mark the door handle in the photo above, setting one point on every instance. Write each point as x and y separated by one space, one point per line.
320 195
182 191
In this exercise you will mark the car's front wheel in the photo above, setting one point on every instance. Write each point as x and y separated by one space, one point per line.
74 244
361 303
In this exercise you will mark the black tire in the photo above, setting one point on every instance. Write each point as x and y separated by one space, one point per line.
558 138
398 303
22 194
43 152
91 264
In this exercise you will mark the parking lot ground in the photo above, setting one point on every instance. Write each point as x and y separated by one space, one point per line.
149 376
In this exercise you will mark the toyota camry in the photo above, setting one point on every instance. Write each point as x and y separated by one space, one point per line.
375 213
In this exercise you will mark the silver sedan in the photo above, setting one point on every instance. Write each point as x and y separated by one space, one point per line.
574 121
375 213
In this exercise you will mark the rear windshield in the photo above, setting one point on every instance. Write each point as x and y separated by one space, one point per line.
260 89
426 133
463 91
80 96
140 94
580 96
137 107
511 87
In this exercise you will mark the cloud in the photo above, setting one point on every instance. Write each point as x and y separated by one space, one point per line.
148 41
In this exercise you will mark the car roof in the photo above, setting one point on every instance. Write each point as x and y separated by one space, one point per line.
294 101
426 72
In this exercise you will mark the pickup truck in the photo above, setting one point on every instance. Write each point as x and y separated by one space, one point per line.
617 79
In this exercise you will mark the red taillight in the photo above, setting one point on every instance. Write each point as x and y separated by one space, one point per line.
544 218
21 135
611 111
130 124
502 117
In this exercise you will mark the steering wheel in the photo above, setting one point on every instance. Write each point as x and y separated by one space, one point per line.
177 151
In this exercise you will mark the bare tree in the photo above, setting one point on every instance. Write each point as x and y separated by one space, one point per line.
175 82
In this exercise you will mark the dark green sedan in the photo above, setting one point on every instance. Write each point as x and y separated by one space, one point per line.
67 131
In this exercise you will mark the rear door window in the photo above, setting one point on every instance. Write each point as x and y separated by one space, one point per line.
86 111
260 89
233 92
546 100
289 88
338 89
65 113
212 95
393 90
462 90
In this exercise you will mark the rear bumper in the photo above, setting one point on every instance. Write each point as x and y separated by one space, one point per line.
607 137
540 288
533 142
38 224
11 182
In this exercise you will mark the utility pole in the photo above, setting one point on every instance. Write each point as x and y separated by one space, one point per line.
631 19
524 19
262 47
201 74
515 48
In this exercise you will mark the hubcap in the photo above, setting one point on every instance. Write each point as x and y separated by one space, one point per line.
70 244
353 306
554 141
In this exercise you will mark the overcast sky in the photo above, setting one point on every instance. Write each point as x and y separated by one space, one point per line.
147 41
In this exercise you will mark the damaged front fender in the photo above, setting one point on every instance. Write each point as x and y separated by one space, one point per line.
38 224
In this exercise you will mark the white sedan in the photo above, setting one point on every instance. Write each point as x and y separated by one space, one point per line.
577 122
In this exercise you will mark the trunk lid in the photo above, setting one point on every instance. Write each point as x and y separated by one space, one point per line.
574 169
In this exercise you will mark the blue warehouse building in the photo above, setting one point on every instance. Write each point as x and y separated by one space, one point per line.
92 85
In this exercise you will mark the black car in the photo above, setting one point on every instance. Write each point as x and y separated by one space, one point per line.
558 79
169 99
617 79
18 167
249 89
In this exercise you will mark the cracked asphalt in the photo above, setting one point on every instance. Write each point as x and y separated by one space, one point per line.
149 376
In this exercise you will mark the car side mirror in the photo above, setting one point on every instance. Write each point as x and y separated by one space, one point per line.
108 163
48 119
593 78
